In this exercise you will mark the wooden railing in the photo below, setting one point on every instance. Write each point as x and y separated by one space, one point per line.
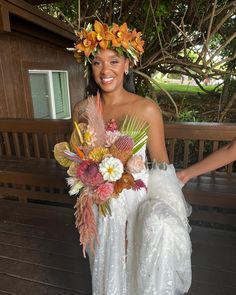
26 160
191 142
24 138
36 138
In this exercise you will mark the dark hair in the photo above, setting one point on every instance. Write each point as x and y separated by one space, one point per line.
92 87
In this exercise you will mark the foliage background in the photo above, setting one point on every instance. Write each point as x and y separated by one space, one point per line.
196 38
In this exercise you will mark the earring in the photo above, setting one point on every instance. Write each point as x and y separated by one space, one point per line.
126 72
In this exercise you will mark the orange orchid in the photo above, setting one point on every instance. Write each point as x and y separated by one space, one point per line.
88 44
103 35
122 36
137 42
115 37
125 182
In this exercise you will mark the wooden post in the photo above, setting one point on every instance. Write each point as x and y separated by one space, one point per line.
4 19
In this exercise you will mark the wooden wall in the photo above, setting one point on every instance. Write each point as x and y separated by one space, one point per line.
29 47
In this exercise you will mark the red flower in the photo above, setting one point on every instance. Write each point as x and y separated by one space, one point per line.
138 184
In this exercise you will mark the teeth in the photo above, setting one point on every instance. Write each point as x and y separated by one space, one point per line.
107 79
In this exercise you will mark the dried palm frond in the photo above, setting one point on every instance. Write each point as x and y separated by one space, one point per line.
137 129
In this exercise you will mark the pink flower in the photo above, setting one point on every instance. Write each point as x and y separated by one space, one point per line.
88 173
111 137
138 184
111 125
135 164
104 191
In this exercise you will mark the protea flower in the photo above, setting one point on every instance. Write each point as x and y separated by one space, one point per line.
122 148
88 173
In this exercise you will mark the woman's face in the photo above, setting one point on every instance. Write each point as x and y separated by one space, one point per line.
108 70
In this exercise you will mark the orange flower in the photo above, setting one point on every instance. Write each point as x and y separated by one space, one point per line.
79 152
88 43
103 35
82 34
122 36
125 182
137 42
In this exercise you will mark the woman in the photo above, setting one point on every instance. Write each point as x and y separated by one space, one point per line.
144 246
219 158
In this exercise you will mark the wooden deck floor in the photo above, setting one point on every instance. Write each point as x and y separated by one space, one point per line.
40 254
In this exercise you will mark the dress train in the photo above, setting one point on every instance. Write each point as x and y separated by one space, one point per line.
157 260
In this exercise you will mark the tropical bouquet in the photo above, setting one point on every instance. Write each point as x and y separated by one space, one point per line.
101 160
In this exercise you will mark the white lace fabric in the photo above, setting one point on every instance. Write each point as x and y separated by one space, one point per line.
157 260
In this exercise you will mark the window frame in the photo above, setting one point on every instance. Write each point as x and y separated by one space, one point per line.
51 96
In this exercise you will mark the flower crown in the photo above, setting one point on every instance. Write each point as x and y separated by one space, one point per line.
101 36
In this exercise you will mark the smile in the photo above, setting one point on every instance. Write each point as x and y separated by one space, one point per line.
107 80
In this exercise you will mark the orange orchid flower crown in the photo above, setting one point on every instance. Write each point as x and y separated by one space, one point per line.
101 36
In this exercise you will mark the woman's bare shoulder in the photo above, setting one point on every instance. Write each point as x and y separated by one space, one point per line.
146 108
79 110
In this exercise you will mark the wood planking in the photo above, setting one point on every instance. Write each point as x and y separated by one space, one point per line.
40 254
213 262
31 53
39 251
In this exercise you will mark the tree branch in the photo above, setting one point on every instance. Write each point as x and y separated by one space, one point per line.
159 86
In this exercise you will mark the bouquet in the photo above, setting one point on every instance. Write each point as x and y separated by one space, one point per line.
101 159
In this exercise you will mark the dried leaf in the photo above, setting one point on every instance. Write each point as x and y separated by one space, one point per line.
59 154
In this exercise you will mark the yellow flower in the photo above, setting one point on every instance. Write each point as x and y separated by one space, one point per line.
98 153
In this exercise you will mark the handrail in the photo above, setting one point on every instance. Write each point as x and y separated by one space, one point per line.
36 138
201 131
35 125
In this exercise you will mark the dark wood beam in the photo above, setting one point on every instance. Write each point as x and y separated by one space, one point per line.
30 13
4 19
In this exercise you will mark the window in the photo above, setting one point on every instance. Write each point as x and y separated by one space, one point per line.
50 94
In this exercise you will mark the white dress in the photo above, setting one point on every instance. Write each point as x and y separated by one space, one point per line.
157 258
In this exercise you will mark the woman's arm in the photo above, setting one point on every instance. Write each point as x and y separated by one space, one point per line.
156 139
217 159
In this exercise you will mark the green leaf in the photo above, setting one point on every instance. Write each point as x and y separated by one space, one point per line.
137 130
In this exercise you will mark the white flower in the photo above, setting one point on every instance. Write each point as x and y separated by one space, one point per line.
75 185
111 169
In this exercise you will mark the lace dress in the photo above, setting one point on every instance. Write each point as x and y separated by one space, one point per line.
144 247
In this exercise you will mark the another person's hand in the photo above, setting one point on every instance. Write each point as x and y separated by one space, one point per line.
182 176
